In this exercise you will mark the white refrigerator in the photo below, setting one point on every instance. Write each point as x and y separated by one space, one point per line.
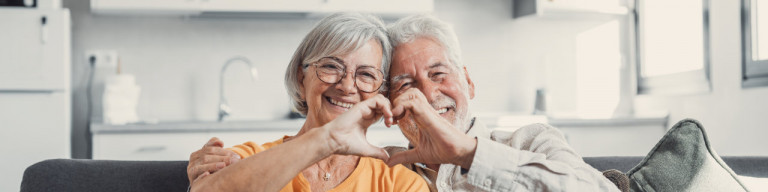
35 97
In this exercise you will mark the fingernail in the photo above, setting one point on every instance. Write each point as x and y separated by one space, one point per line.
220 165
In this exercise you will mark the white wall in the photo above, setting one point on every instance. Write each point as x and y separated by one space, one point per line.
734 117
176 61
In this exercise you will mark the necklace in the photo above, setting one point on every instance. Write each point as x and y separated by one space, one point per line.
326 176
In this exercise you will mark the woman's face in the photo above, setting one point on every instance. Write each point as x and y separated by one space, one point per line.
326 101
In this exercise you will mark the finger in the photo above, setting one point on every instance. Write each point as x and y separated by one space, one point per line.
234 159
375 152
218 151
201 176
405 157
226 159
385 108
401 105
214 142
211 167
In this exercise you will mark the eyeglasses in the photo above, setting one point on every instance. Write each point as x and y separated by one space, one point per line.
367 79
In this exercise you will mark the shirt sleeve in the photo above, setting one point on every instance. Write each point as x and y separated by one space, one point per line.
533 158
247 149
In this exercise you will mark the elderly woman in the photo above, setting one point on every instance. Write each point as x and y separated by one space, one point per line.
334 79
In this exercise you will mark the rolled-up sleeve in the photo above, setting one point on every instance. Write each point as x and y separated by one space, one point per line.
533 158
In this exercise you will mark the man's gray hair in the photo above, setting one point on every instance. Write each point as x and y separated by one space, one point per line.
409 28
335 35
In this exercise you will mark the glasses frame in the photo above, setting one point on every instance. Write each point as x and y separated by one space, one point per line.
344 74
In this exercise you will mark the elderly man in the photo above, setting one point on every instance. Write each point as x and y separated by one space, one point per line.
430 90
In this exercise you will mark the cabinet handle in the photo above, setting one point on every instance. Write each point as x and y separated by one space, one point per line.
147 149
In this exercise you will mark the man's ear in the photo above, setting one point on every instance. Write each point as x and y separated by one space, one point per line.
470 83
300 79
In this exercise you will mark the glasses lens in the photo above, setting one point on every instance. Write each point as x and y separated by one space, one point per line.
330 72
368 79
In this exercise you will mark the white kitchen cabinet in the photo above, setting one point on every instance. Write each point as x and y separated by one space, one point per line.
313 7
612 137
147 146
523 8
176 141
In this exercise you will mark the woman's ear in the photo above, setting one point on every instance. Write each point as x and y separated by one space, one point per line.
300 79
471 85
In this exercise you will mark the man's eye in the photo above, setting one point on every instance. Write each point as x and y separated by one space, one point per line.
404 86
438 76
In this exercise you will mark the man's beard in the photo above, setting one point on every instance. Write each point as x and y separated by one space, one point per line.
411 131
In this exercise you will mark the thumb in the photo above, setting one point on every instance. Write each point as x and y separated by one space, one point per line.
405 157
375 152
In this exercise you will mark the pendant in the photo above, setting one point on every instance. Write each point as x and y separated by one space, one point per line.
327 176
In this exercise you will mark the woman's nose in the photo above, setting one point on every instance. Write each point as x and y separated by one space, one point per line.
347 83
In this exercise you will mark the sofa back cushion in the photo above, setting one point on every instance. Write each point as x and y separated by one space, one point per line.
683 160
105 175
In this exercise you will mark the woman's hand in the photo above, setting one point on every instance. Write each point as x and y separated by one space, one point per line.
209 159
347 131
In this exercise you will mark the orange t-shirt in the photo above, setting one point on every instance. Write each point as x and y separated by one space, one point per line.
370 174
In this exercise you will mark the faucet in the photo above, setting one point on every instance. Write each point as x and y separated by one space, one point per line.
224 109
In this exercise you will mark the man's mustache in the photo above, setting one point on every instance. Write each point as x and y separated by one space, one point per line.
442 102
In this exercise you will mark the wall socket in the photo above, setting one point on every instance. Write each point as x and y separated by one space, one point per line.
102 58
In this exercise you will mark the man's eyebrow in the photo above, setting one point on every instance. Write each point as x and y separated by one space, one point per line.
400 77
436 65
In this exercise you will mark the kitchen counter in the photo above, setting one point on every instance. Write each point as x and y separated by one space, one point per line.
292 125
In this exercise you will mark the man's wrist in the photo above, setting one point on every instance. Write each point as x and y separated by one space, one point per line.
465 159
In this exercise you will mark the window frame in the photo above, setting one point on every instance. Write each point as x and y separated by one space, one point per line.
754 72
681 83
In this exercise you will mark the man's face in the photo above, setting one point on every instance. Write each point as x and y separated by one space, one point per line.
422 64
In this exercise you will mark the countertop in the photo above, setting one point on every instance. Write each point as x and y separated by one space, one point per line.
292 125
492 120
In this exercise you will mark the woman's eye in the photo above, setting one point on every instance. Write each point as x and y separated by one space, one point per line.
330 66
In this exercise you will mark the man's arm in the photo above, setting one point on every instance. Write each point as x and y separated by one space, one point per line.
535 156
538 153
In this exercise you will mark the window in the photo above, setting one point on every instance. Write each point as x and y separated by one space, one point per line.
672 46
754 21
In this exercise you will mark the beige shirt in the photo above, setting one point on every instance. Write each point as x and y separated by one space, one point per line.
535 157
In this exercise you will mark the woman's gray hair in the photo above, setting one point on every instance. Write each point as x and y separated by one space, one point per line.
335 35
409 28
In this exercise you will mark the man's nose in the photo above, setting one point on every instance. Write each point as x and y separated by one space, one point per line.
429 90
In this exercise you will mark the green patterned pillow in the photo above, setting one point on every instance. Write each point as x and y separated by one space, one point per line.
683 160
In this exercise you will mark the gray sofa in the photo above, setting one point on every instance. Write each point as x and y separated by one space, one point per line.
114 176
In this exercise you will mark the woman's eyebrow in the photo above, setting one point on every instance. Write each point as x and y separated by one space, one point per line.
341 61
335 59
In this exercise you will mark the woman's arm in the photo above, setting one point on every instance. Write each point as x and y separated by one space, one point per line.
272 169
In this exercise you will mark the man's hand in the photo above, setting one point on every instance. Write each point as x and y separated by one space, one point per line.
209 159
438 141
347 131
